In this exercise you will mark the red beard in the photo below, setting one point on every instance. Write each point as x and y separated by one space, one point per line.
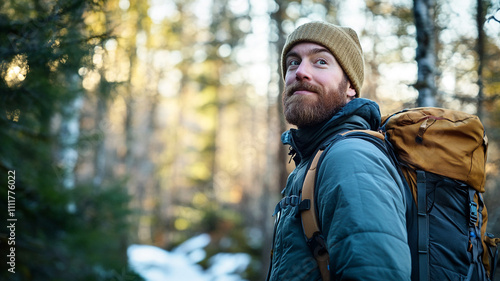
310 110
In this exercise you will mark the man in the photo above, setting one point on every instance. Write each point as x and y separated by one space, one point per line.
359 195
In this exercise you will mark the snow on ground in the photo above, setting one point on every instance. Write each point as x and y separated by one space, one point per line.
180 264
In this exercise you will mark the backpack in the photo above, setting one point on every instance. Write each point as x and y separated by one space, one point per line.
441 156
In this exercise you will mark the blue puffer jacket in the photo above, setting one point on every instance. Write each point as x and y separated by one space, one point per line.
360 204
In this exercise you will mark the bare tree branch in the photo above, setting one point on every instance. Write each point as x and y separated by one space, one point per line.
494 16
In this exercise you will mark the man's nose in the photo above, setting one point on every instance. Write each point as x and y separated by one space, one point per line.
303 71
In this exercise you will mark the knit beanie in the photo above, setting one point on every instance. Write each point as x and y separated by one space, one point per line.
343 42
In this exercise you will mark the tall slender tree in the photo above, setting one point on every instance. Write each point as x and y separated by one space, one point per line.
425 55
480 50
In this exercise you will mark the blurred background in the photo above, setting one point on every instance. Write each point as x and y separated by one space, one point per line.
157 124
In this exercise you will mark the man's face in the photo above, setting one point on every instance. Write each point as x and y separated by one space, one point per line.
315 85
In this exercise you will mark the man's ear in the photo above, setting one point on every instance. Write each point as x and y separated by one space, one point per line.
351 92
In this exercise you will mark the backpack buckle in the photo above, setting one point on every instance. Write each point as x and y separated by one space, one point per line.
317 245
473 212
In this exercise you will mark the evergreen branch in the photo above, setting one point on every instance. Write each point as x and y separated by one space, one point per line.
24 130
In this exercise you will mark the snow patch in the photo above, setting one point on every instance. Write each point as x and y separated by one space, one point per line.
156 264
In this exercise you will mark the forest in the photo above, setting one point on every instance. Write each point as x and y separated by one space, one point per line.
150 122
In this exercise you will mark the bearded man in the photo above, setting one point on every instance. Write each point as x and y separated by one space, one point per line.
360 202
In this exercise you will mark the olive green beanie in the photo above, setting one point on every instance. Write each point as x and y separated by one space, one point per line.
342 41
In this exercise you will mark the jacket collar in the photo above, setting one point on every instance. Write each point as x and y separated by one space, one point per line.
357 114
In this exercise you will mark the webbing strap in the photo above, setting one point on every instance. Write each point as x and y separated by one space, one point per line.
423 228
310 222
475 223
482 270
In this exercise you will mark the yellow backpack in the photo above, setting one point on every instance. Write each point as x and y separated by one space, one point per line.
442 155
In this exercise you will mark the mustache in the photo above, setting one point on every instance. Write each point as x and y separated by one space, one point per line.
301 86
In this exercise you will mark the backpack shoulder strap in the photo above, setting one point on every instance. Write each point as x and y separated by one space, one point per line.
310 222
369 132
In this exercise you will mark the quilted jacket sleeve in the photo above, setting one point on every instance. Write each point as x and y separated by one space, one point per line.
362 213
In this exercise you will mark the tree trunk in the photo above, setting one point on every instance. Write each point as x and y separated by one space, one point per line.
101 125
69 132
480 17
67 139
425 56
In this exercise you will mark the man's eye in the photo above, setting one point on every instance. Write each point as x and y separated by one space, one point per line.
293 62
321 61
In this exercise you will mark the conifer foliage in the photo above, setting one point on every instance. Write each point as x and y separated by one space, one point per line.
59 231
